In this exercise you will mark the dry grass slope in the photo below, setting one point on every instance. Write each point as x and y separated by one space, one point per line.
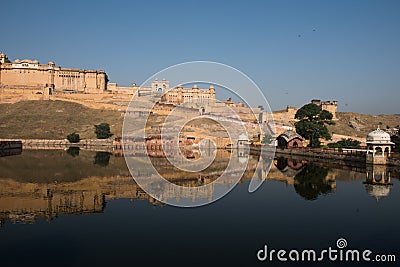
359 125
54 120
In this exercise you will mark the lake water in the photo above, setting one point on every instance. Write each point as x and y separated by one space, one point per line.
82 208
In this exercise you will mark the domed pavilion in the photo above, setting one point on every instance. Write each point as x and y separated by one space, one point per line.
378 146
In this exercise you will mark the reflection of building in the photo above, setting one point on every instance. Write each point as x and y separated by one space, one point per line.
26 202
309 180
288 167
243 148
290 139
30 75
377 182
378 146
26 207
10 148
377 175
378 191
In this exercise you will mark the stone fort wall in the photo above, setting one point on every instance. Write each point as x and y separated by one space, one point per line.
30 74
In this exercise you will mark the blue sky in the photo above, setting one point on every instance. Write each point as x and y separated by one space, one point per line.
347 50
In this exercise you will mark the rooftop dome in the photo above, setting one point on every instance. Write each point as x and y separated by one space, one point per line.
378 137
290 135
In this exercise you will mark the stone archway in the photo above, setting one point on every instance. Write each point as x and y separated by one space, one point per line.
282 143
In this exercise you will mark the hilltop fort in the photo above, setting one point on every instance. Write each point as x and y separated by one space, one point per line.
22 80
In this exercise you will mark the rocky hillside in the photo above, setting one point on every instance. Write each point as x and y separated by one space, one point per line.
359 125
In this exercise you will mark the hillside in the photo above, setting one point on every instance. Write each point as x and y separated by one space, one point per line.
54 120
359 125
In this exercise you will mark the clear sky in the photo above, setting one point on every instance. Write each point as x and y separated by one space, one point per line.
295 51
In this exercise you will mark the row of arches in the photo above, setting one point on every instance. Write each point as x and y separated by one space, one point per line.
377 151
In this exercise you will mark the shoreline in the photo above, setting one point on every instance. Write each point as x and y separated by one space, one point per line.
320 154
89 144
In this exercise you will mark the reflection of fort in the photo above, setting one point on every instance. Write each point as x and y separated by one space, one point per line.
26 202
48 184
25 197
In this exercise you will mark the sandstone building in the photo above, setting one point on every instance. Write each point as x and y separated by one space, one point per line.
31 75
330 105
181 95
289 113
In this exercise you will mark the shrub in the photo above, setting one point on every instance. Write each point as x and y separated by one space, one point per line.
345 143
73 138
102 131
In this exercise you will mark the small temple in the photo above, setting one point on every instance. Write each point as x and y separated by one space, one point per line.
379 147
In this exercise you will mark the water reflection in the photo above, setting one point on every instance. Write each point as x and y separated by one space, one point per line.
102 158
47 184
313 181
309 181
377 182
73 151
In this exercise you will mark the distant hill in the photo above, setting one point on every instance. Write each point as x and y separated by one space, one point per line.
359 125
54 120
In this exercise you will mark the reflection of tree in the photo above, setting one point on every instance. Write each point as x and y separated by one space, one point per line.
73 151
102 158
281 163
311 182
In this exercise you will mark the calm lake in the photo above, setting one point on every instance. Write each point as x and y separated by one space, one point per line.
83 208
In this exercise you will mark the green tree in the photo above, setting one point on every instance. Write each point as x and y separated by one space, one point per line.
396 140
102 131
73 138
312 123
